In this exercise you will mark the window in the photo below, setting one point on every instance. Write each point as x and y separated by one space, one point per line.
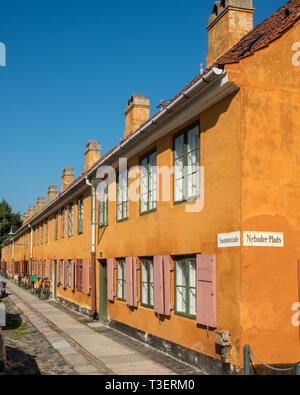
56 226
80 215
62 272
185 286
38 235
70 273
187 165
70 220
42 232
63 215
148 184
122 196
147 283
103 203
79 275
47 229
121 279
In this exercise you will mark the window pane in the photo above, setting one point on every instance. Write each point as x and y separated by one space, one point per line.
179 146
145 293
181 299
151 302
192 268
180 273
119 289
193 139
144 274
192 301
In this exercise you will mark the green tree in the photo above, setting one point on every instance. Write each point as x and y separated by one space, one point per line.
8 220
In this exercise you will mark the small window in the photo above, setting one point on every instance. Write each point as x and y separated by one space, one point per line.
61 272
63 219
147 283
38 236
103 203
80 215
187 165
185 286
70 274
42 232
121 279
122 194
47 230
70 220
79 275
56 226
148 184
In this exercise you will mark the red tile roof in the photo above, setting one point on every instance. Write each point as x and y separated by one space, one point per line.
261 36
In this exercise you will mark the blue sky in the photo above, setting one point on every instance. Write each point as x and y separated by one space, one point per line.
71 67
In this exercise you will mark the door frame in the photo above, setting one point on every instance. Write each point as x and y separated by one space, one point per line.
103 297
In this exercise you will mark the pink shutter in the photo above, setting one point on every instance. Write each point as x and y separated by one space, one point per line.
88 277
206 291
73 276
158 285
135 285
65 274
30 269
110 279
129 282
167 284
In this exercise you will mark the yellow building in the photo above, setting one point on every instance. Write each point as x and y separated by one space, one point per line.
200 230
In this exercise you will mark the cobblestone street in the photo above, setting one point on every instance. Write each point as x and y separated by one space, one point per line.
28 352
47 338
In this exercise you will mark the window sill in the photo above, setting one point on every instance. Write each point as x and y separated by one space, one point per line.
148 212
185 315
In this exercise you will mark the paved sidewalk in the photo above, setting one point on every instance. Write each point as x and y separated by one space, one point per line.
112 357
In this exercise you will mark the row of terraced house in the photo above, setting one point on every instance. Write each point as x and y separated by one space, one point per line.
186 235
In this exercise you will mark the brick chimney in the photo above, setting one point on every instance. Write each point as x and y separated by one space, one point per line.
67 178
92 154
31 212
52 192
26 218
40 204
137 112
230 21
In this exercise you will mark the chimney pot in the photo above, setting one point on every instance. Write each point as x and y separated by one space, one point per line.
52 192
31 212
40 204
92 154
26 218
67 178
137 112
229 22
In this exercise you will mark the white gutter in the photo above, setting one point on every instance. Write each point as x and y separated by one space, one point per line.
212 75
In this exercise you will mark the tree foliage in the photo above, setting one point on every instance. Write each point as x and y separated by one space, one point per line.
8 220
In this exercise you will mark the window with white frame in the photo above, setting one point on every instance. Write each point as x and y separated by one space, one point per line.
122 195
187 164
102 191
148 184
70 220
63 223
185 286
147 282
80 215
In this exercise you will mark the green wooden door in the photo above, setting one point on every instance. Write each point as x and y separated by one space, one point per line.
103 290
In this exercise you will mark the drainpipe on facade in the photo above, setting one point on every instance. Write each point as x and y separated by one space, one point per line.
93 253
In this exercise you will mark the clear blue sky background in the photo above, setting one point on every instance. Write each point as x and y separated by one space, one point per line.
71 67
